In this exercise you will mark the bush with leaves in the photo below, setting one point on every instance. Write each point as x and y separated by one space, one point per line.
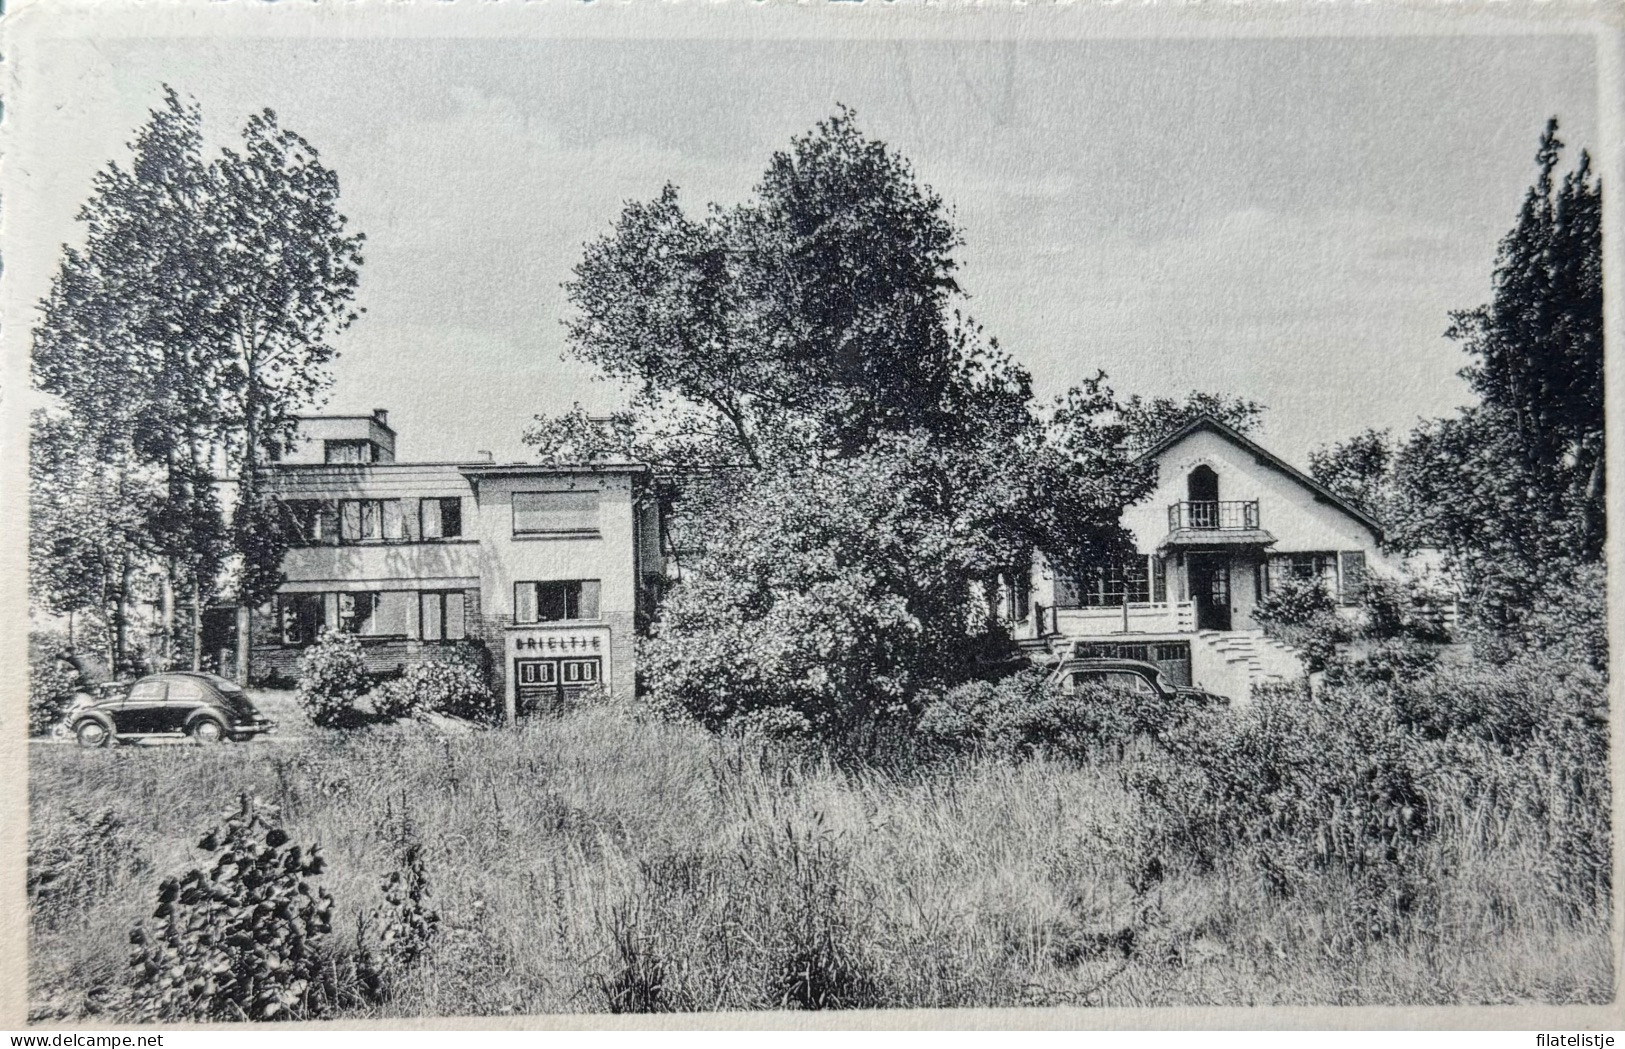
1294 600
456 686
242 939
1406 607
1353 781
1022 715
1562 610
50 690
1293 786
332 678
1300 611
404 926
1507 706
1389 661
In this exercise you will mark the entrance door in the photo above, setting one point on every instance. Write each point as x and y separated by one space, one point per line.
551 686
1210 590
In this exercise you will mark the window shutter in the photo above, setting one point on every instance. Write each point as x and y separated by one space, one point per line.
1353 576
1159 580
524 602
589 599
429 511
327 523
394 525
455 626
433 629
350 512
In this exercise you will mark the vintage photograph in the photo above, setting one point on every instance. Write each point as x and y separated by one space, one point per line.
527 516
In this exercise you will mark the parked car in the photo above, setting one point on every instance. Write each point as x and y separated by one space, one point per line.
205 707
1129 674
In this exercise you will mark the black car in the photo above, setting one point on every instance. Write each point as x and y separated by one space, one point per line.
1129 674
205 707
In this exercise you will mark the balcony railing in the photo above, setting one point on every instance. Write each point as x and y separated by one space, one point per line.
1213 516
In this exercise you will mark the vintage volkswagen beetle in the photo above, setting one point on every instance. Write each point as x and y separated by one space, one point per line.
181 704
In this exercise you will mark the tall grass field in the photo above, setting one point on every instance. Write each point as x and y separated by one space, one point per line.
604 861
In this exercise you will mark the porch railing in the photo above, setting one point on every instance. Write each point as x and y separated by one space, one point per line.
1139 617
1238 515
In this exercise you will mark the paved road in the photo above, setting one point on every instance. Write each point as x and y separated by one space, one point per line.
68 741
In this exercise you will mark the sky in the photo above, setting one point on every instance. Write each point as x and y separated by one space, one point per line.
1288 220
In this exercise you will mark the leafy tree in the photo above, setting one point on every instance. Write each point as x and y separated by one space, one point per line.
1511 487
283 277
88 528
1361 470
122 343
856 463
184 335
1538 342
807 322
1148 420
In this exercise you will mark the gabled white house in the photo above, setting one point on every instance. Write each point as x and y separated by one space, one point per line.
1227 519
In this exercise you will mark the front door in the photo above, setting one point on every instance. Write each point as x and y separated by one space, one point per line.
551 686
1210 590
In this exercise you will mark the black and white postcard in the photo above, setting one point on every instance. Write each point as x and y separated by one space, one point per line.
522 512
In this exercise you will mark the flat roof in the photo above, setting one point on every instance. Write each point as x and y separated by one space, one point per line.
477 467
371 418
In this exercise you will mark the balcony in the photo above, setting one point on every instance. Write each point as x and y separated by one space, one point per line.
1215 516
1203 523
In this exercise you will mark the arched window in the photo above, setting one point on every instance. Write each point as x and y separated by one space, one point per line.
1203 485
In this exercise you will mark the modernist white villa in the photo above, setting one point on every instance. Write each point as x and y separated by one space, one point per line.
552 568
1227 518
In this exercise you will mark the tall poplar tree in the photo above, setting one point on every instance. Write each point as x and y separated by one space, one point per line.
185 334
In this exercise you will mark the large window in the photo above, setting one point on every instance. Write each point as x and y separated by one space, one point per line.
1110 587
302 617
371 521
440 518
547 602
315 522
442 615
1318 564
432 615
347 451
555 513
386 613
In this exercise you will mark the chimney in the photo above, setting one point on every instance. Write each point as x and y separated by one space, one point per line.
382 415
485 456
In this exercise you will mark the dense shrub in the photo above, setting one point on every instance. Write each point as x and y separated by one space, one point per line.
1506 706
1409 608
401 928
50 689
1021 715
1293 785
1563 612
332 677
779 724
455 685
1356 779
1385 662
242 939
1294 601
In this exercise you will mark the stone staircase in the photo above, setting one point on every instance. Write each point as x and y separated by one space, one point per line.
1249 659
